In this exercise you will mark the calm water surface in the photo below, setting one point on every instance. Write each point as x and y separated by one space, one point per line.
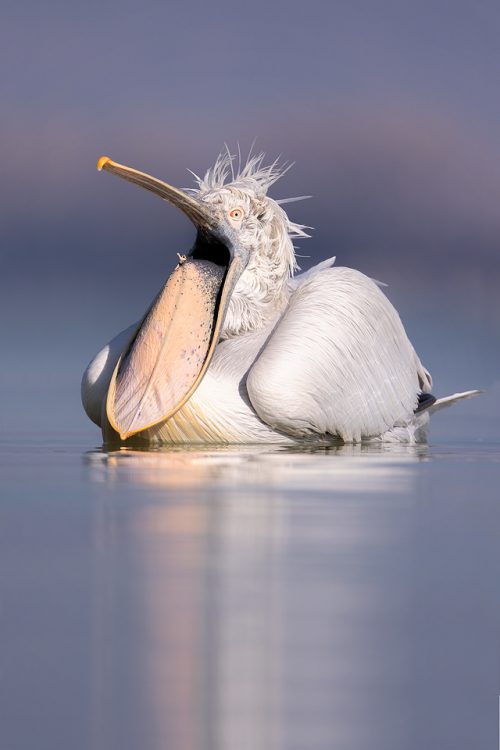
255 599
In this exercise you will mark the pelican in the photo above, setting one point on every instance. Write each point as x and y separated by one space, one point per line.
235 348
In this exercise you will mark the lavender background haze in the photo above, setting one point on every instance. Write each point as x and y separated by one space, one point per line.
390 110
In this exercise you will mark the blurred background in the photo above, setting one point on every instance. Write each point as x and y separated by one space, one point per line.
390 110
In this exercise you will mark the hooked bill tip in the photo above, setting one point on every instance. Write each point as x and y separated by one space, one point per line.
103 160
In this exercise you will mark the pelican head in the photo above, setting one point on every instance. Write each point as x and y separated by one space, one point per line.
233 280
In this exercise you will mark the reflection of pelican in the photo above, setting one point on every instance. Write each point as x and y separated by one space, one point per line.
248 596
233 350
253 469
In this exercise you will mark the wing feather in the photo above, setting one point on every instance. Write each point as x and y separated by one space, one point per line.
339 362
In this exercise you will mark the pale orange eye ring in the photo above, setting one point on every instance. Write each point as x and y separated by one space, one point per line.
236 214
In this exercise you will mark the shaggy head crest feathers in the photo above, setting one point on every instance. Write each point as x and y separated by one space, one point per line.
266 232
254 177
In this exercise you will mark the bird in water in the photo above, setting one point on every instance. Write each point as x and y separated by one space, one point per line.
235 348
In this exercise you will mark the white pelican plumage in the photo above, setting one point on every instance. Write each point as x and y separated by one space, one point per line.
236 349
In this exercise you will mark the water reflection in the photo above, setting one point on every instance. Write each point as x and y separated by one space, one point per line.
230 599
361 468
251 599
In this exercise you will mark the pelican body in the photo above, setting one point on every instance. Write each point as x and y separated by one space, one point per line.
235 348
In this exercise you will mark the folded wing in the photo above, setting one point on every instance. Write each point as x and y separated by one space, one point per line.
339 362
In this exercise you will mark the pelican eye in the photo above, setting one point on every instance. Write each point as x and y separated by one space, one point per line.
236 214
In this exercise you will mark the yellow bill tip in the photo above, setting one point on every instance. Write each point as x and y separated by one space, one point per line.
103 160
